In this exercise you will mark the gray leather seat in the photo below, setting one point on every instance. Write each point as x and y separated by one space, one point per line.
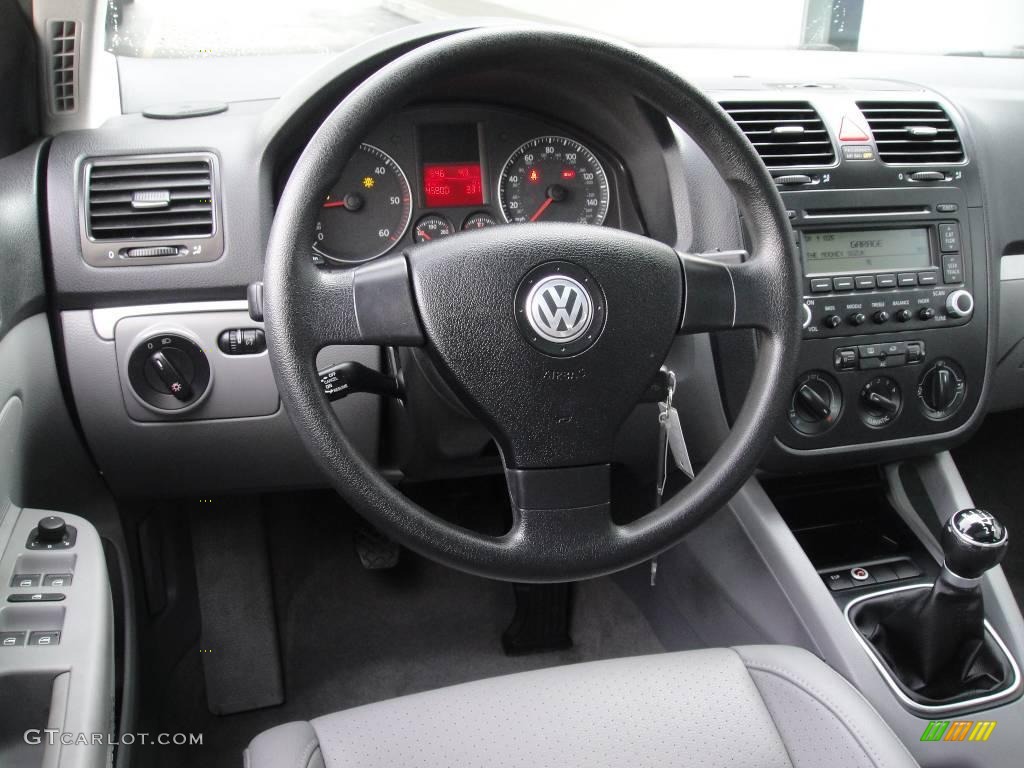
756 706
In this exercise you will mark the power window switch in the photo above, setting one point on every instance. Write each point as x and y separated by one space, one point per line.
35 597
11 639
44 638
57 580
23 580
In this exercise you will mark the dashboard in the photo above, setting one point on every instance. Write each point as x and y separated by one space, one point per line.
901 278
433 172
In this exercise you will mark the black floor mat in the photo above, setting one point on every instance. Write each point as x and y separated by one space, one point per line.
351 636
992 465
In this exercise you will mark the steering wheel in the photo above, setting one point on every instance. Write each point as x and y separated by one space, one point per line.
549 333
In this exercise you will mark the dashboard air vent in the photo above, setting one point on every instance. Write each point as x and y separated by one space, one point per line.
63 66
911 133
785 134
149 199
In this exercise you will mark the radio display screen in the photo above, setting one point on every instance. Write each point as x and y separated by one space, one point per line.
869 250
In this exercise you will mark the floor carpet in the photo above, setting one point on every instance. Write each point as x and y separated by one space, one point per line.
351 636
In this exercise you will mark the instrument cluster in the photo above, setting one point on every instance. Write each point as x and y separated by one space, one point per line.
430 173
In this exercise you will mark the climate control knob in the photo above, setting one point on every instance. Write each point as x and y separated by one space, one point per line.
942 390
960 304
816 403
880 402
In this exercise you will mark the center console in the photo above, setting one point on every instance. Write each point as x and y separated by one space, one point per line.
895 329
890 228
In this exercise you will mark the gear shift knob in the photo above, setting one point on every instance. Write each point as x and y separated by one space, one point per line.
973 541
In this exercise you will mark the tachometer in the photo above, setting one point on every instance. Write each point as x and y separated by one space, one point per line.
367 211
552 178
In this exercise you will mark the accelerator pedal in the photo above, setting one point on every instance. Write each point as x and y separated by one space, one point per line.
376 551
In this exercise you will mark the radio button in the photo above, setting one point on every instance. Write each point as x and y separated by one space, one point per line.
864 282
915 352
947 207
842 283
959 304
927 278
869 350
820 285
904 315
881 316
926 313
952 268
895 348
885 281
907 278
949 238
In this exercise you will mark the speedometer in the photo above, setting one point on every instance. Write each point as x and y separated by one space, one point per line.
552 178
367 210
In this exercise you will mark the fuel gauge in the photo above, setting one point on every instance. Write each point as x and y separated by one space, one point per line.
478 220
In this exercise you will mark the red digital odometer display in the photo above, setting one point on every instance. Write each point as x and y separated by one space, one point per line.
447 185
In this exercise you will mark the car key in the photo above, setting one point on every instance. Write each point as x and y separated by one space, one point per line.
668 417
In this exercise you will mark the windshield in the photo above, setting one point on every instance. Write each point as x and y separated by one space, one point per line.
197 28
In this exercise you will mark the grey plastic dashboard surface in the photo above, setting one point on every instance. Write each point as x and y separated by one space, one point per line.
255 140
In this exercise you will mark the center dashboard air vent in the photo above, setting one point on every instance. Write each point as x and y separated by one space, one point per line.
912 132
786 134
151 209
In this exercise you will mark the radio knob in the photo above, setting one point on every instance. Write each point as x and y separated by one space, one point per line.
881 316
926 313
808 317
960 304
832 321
857 318
904 315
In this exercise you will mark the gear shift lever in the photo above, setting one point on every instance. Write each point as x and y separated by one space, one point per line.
935 641
973 541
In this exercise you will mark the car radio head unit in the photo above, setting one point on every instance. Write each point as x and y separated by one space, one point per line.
877 279
866 250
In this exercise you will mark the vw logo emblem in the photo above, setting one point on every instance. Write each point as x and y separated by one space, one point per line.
559 309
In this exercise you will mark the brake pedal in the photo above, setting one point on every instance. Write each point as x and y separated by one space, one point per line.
542 622
376 551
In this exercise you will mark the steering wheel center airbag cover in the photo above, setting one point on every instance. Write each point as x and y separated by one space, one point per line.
560 308
492 304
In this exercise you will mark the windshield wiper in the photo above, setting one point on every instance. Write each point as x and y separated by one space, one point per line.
1013 52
